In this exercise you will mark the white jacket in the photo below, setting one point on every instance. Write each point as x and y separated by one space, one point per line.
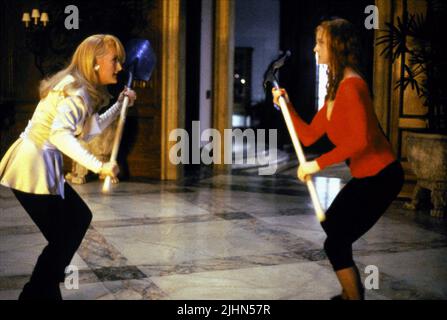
33 164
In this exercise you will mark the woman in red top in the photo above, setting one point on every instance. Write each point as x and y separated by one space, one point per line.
348 119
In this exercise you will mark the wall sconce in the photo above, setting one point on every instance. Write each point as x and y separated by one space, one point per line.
35 14
26 18
37 36
44 18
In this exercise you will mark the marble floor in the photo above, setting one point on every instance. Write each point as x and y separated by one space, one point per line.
234 236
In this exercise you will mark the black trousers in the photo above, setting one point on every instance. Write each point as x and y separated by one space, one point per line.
357 207
63 223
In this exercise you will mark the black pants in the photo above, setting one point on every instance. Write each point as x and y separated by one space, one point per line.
357 207
63 223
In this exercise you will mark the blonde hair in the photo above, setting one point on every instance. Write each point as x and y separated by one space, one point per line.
82 68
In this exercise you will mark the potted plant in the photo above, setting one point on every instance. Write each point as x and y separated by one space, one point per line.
415 41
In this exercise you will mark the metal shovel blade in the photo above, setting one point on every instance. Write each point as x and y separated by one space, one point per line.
140 59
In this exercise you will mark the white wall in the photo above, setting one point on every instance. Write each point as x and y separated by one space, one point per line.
257 26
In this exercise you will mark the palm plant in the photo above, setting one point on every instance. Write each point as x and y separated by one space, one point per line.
417 36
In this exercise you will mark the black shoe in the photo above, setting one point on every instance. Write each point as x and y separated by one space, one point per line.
362 293
28 292
32 292
337 297
340 297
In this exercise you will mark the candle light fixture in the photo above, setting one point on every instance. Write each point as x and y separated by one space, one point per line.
37 39
44 18
36 16
26 18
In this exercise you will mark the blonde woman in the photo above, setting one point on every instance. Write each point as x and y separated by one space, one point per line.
32 167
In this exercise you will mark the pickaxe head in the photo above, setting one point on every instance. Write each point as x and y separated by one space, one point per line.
270 74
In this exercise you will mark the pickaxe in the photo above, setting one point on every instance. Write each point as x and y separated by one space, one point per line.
270 77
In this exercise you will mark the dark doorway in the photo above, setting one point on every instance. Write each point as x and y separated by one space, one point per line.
193 13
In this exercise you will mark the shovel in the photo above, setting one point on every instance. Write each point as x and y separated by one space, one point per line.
270 77
140 62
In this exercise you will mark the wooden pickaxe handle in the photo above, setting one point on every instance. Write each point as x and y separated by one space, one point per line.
301 158
117 141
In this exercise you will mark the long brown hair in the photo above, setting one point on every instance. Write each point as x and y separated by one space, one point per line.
82 68
343 43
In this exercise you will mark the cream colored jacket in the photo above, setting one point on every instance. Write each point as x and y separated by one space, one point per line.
33 163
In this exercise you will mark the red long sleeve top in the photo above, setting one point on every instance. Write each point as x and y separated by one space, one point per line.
353 128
